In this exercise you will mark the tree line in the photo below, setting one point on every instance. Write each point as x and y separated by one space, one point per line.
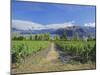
47 36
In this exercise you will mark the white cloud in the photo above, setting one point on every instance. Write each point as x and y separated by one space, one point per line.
57 26
26 25
90 24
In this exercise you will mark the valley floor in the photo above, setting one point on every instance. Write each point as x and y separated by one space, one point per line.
46 61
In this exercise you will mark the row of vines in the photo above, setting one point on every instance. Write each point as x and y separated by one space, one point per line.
21 49
84 51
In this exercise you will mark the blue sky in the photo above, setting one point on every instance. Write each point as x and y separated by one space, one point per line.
47 13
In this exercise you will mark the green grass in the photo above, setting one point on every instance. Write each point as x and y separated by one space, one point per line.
33 46
86 51
21 49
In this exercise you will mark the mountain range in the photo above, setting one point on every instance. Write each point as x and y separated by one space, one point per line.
81 30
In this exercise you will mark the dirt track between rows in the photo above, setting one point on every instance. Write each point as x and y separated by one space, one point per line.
46 61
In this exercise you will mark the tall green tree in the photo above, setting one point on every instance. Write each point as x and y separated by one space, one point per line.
31 37
36 37
56 37
64 36
90 37
75 36
48 36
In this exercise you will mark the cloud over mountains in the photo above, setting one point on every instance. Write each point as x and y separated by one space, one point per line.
27 25
90 24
